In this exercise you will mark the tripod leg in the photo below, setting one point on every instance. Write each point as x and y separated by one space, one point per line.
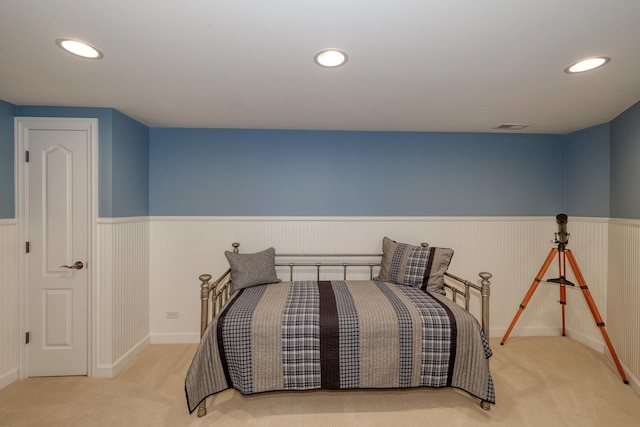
532 289
562 268
594 312
563 303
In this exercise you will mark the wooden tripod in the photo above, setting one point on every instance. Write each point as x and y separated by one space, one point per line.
563 255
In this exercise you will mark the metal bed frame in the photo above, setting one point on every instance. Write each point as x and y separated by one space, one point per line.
214 295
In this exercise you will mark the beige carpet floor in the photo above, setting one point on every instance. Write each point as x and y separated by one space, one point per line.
540 381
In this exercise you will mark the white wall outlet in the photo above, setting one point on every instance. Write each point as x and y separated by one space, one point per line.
172 314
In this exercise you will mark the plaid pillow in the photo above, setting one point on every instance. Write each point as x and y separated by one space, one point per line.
415 266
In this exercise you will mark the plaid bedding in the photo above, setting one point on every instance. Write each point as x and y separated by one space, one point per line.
339 335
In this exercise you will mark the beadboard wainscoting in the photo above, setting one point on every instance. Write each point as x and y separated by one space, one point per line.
511 248
8 302
122 303
623 322
148 291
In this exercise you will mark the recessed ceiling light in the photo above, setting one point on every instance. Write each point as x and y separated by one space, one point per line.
330 58
79 48
587 64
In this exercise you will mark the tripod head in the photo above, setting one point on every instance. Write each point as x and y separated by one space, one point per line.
561 236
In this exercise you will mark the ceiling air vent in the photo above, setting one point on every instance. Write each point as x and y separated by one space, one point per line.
511 126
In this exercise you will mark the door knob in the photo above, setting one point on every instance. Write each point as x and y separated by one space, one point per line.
77 266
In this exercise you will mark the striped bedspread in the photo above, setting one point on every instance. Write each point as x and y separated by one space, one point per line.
339 335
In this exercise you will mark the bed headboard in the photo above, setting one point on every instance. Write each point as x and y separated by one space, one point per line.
213 295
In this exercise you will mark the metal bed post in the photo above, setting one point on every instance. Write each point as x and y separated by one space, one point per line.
485 292
205 289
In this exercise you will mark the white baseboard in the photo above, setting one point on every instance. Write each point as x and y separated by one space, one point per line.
8 378
177 338
552 332
528 332
586 341
110 371
600 347
633 381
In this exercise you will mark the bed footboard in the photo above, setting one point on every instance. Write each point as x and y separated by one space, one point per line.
214 295
485 293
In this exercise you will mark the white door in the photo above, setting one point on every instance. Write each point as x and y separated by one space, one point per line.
57 212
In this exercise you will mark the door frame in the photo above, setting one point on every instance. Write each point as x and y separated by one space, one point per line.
21 126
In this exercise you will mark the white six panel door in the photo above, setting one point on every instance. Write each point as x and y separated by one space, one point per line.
58 207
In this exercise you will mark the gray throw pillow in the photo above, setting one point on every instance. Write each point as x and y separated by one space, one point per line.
252 269
415 266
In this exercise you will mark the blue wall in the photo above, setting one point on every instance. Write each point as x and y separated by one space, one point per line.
7 183
587 172
123 146
130 167
325 173
625 164
592 172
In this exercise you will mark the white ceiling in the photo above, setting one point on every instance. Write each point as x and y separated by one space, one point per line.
414 65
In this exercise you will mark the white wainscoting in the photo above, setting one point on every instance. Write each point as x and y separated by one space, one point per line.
122 303
512 248
8 302
147 267
589 243
623 323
